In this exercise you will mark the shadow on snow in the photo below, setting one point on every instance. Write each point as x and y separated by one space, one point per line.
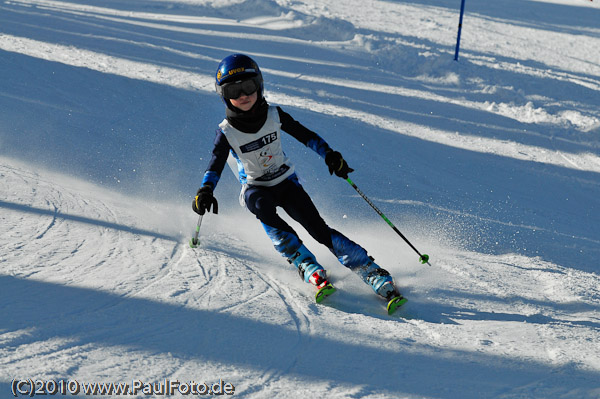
86 316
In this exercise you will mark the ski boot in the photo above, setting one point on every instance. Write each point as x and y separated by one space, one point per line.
383 285
311 272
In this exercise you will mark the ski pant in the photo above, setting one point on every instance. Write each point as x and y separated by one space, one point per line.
263 201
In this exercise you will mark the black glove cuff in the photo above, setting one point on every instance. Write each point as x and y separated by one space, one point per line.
205 189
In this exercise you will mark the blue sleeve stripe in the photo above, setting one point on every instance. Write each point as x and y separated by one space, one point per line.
318 145
211 178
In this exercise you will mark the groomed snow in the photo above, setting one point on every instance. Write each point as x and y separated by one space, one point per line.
490 165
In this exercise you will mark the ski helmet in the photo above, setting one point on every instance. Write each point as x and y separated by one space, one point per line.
231 75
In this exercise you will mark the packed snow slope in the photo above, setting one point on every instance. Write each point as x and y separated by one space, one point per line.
491 165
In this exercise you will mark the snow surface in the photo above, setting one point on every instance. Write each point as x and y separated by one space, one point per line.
490 165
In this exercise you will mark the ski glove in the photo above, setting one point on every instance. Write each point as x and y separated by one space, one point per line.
204 200
337 164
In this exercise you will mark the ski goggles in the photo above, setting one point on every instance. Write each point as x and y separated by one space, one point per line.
234 90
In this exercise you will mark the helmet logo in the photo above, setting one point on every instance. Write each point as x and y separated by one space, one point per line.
233 72
236 70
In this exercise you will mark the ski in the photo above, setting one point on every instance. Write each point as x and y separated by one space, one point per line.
324 292
395 303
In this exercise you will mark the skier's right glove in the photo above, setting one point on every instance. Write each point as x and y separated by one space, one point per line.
204 200
337 164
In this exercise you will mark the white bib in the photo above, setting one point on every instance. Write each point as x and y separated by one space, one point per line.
260 158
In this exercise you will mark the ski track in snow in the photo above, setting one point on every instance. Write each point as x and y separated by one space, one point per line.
517 311
98 284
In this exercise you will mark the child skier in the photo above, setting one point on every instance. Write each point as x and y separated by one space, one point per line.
251 133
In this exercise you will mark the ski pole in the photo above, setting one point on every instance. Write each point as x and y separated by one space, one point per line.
423 258
194 239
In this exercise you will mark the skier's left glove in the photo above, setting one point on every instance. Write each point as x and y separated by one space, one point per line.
204 200
337 164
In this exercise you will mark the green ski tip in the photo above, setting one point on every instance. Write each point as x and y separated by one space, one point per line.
324 292
395 303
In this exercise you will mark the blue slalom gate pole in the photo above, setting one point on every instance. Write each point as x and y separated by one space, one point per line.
462 11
